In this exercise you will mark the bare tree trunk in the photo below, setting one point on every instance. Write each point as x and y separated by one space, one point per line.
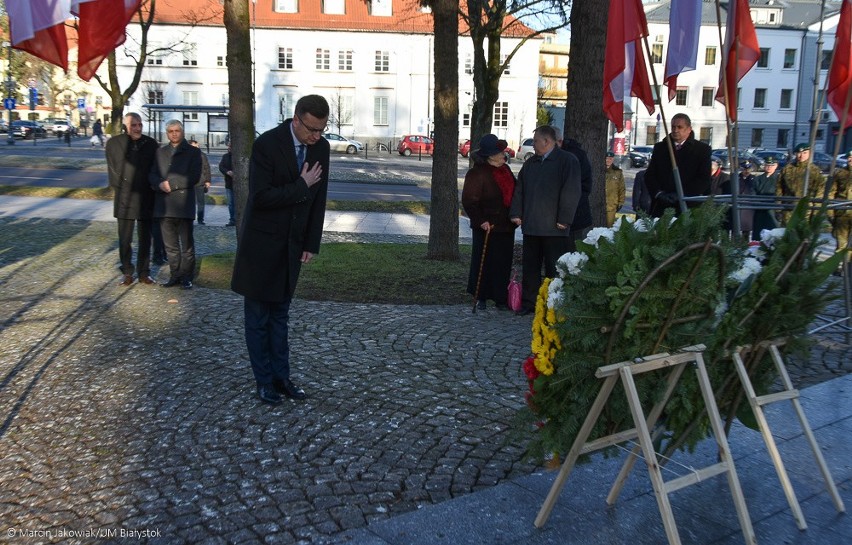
444 223
240 97
584 117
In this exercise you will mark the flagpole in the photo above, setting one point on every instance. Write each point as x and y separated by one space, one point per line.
817 103
675 171
841 129
733 151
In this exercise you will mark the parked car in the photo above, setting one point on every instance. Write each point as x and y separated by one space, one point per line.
780 156
415 143
28 129
4 126
525 150
644 150
822 160
60 127
842 161
464 150
342 144
637 160
742 155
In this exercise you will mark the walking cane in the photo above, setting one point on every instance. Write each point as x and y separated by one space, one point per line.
481 265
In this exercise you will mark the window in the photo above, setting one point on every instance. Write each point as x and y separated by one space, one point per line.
763 61
334 7
382 61
503 61
501 114
380 111
342 106
465 120
190 55
286 105
190 98
710 56
789 58
656 53
680 96
760 98
287 6
380 8
155 97
786 99
757 138
285 58
783 138
650 135
344 60
323 59
468 63
154 59
706 135
220 61
708 95
739 94
826 59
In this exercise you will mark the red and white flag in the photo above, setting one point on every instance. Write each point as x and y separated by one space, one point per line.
625 72
840 77
740 54
38 27
101 25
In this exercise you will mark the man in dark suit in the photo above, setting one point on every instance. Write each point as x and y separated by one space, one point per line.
129 158
693 163
281 229
176 172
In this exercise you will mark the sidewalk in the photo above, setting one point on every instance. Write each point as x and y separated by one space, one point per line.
132 410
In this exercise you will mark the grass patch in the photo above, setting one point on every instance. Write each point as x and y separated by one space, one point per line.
98 193
366 273
390 207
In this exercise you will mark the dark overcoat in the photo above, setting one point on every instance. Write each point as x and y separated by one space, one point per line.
693 164
128 165
482 198
282 219
183 171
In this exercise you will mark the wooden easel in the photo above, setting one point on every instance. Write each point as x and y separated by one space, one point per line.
792 394
625 371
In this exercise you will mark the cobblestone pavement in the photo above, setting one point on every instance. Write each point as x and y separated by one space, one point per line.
133 409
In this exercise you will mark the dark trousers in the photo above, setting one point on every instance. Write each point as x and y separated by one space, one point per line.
159 252
230 193
267 341
200 196
494 280
125 249
180 247
540 251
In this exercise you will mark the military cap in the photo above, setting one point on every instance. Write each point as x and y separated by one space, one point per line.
610 154
802 147
745 164
849 153
771 160
716 159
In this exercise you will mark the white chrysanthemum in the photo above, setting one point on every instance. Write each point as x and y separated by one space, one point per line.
720 311
598 232
645 224
571 263
770 236
554 293
622 219
756 251
751 266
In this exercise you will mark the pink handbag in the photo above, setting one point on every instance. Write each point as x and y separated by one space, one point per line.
514 294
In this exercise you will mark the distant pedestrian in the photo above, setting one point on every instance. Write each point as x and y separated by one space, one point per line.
176 172
615 189
98 132
129 159
226 167
202 188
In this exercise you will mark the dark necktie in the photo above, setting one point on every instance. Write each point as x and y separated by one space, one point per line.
300 156
678 146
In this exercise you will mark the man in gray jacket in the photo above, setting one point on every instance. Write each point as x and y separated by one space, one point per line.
176 172
544 203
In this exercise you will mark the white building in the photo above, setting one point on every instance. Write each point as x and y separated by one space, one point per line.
372 60
775 99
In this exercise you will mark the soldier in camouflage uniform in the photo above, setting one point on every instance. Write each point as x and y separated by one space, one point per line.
791 183
842 221
614 189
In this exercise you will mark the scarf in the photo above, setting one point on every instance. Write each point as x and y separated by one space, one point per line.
505 181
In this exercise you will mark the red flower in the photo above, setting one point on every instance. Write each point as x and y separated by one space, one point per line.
529 368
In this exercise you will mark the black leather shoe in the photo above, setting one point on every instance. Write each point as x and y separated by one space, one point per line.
289 389
480 304
268 395
127 280
171 283
186 284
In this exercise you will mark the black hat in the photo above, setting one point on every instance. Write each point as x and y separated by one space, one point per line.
745 164
716 159
802 147
490 145
610 154
771 160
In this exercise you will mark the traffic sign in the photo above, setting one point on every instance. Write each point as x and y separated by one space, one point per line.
9 103
81 103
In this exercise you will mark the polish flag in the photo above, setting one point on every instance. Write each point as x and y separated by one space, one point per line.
740 53
840 77
684 28
625 72
38 27
101 25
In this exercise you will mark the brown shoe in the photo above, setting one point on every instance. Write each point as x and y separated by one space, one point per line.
128 280
146 280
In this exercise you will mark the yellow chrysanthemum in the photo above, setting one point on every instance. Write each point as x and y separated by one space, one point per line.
545 339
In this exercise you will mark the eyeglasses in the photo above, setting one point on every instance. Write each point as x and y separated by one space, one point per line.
309 128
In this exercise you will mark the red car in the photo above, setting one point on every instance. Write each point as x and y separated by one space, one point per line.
464 150
415 143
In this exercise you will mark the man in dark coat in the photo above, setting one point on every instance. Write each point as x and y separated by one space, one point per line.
176 172
765 184
282 228
226 167
693 163
583 217
544 203
129 158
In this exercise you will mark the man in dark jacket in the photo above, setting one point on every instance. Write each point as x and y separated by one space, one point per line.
544 203
282 228
129 158
693 163
226 167
176 172
583 218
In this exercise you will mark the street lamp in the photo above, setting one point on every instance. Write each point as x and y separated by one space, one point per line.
10 85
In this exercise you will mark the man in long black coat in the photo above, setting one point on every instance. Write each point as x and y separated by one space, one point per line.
129 158
281 229
693 162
